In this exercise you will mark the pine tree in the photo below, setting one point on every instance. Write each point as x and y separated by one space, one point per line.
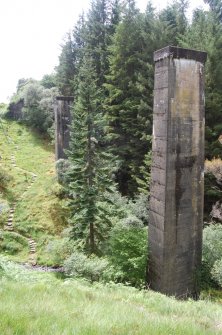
90 175
97 37
174 15
66 68
129 105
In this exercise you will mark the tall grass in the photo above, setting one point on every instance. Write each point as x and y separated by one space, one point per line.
74 308
39 304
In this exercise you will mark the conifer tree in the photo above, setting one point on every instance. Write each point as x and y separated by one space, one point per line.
129 105
90 175
97 37
174 15
66 68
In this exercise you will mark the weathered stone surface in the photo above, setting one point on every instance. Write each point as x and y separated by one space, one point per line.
62 108
176 200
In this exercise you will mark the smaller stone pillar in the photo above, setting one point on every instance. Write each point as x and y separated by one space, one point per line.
62 110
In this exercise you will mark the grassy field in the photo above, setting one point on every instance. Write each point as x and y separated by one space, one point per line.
39 212
40 304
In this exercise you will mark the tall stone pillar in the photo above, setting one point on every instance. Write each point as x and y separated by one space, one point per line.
177 186
62 109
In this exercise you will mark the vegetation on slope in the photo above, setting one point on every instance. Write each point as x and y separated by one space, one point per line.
38 212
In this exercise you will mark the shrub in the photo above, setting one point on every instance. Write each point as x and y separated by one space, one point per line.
212 244
121 207
5 178
216 272
140 207
79 265
212 255
60 250
12 242
128 251
62 168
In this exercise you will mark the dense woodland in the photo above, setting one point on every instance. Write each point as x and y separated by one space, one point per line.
106 63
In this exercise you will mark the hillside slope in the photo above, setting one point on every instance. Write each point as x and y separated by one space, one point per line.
30 192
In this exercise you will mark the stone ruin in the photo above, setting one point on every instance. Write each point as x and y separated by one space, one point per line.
62 110
177 176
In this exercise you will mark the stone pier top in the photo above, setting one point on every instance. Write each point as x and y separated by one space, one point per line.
65 98
176 52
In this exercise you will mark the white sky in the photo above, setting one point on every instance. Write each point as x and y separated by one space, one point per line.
31 32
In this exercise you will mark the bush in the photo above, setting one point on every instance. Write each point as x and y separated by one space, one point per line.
5 178
140 207
212 255
128 251
79 265
216 272
121 207
62 168
212 244
12 242
60 250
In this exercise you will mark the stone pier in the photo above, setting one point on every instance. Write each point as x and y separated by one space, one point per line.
177 186
62 109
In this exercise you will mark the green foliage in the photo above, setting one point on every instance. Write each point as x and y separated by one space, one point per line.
10 271
79 265
122 207
12 243
4 210
212 244
49 80
66 70
216 272
175 16
128 251
63 167
212 254
38 110
129 104
59 250
33 103
5 178
143 180
90 173
39 211
3 109
73 306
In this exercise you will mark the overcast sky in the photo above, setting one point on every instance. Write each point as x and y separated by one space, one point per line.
31 32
